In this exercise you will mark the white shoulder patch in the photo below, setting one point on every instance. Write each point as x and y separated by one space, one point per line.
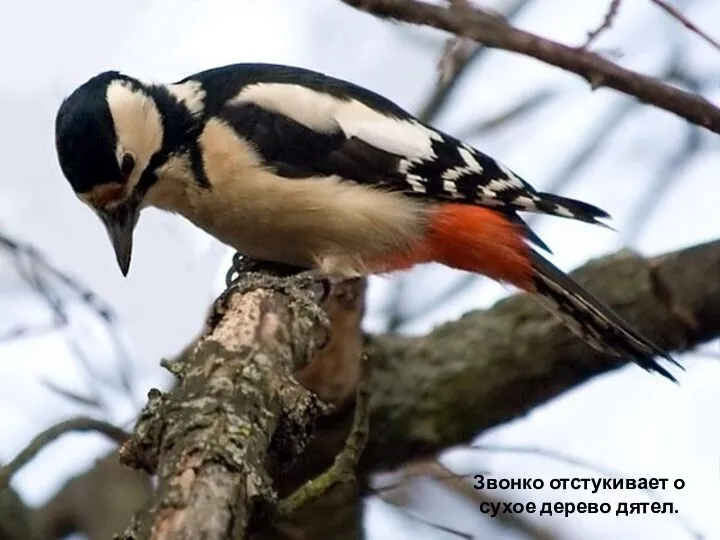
190 93
328 114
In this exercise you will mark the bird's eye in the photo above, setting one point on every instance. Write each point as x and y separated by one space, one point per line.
127 165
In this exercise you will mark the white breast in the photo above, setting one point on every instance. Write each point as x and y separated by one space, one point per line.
305 222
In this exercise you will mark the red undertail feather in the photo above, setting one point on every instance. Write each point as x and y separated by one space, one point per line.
480 240
475 239
483 241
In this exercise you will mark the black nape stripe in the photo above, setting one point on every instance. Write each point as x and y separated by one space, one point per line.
181 130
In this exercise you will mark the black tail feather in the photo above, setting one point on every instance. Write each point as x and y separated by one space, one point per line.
593 321
528 233
558 205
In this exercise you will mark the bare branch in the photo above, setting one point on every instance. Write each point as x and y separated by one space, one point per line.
444 88
41 440
47 281
675 14
494 31
605 25
517 356
519 109
343 467
237 408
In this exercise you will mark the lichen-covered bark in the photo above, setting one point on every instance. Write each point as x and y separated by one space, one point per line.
492 366
488 367
208 439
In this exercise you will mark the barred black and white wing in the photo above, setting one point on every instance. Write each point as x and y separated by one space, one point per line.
304 124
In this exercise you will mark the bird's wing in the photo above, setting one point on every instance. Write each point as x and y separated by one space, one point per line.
331 127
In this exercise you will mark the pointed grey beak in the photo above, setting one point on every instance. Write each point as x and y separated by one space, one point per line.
120 224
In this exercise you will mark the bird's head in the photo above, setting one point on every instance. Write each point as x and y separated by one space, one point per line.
107 133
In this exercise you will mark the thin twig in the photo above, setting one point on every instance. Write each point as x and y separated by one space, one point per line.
458 484
674 164
42 277
411 471
456 53
432 524
441 93
675 14
40 441
37 265
521 108
668 174
605 25
73 396
458 50
343 468
494 31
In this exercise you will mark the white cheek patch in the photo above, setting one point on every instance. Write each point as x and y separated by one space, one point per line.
138 125
325 113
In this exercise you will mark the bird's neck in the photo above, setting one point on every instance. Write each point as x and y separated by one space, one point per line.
180 107
174 182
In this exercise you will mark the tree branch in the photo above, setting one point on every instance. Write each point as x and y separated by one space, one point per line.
238 409
433 392
445 86
237 405
442 389
607 22
687 23
494 31
46 437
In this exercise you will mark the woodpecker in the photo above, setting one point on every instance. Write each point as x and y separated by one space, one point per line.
293 166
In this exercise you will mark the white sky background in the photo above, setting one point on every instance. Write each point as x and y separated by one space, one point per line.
627 421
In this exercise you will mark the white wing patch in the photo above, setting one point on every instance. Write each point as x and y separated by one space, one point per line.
328 114
562 211
524 202
469 158
392 135
190 93
512 180
312 109
417 183
501 184
451 187
471 167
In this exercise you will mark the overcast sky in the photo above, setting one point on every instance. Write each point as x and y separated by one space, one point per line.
628 421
